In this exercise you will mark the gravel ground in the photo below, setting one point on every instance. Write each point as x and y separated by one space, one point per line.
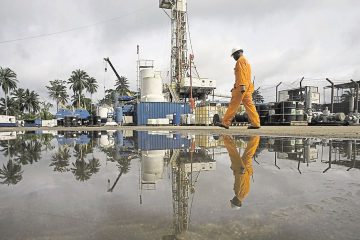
305 131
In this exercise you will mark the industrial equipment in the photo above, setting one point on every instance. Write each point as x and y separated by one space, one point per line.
114 70
308 94
181 78
151 86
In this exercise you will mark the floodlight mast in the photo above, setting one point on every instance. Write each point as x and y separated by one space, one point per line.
179 64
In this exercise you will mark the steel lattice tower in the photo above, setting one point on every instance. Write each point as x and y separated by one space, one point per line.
179 63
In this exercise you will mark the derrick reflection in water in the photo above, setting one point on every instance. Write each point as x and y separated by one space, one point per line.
241 166
186 165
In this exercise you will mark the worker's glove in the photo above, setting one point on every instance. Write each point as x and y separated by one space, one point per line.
242 88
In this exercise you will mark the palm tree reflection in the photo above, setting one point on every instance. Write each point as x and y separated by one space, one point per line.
81 168
94 165
11 173
123 162
60 160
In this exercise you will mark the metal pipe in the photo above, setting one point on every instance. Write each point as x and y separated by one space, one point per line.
221 95
191 57
332 94
357 96
301 93
330 153
277 90
275 162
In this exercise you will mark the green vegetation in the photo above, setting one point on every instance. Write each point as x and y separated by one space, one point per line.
26 104
257 97
19 102
57 92
8 82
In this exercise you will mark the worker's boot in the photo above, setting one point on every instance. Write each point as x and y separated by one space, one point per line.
219 124
252 127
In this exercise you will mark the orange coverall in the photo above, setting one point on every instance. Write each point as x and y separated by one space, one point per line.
241 165
242 78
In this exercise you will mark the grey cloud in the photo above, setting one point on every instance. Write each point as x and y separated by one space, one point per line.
282 39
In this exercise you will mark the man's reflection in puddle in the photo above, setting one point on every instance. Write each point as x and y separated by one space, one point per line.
241 166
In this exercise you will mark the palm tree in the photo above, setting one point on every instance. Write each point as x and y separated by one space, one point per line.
109 97
92 87
11 173
19 97
11 147
94 165
78 83
45 111
57 92
75 99
124 167
29 152
8 82
122 86
10 104
60 160
81 170
45 140
32 101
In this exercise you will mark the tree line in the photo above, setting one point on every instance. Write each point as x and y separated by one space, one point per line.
76 158
26 104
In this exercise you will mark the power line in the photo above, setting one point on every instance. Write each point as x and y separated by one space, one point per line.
72 29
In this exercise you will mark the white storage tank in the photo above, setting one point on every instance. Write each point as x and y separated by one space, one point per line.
152 165
151 86
106 141
146 73
102 112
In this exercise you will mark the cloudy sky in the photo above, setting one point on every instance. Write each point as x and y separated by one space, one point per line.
283 40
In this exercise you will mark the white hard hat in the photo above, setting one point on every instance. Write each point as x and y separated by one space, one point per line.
235 49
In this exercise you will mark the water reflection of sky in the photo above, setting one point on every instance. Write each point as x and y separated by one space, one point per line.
155 185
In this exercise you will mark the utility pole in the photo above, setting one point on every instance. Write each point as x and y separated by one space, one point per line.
332 94
301 92
277 90
356 96
137 70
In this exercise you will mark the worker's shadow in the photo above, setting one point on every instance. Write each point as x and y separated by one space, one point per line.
241 166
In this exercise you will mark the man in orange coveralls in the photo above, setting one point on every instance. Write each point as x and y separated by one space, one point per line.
242 167
242 92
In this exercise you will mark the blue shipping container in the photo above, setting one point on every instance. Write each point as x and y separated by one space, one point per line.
146 141
151 110
119 115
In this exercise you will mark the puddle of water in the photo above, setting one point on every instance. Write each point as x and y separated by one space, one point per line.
167 185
